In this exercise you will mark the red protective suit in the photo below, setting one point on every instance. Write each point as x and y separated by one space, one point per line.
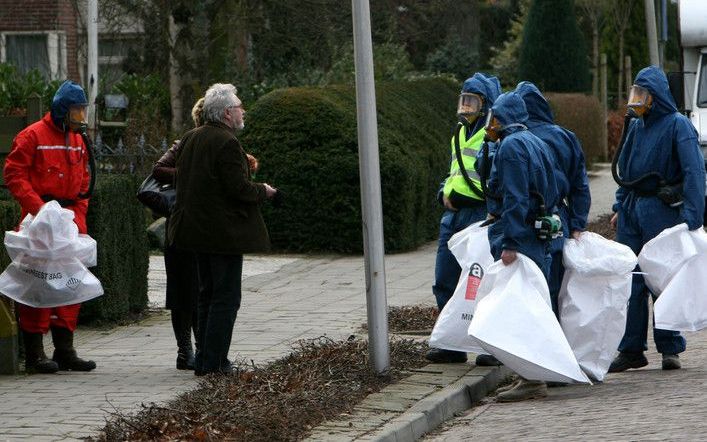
46 161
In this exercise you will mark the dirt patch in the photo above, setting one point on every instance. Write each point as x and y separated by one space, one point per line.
602 227
281 401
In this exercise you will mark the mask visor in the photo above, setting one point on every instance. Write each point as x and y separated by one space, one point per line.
492 128
469 105
78 118
639 100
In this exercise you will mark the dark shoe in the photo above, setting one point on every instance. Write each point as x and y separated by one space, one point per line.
36 360
487 361
226 368
182 326
524 390
626 360
671 362
185 360
65 354
441 356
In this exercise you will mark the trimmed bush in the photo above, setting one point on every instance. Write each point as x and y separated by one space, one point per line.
582 115
116 220
9 219
553 54
306 141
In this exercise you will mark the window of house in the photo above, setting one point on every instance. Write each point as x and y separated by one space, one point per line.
43 51
702 84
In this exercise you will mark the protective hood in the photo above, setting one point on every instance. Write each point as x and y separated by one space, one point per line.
653 79
537 106
69 94
485 85
509 109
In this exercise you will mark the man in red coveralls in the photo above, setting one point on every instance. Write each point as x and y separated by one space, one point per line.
49 161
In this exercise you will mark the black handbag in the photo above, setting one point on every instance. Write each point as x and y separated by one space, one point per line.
158 197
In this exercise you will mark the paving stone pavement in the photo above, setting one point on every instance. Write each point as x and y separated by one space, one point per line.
284 299
647 405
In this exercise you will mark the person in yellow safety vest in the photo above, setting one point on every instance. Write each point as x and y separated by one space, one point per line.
461 195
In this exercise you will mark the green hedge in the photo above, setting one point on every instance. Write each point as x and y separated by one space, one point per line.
306 141
582 115
116 221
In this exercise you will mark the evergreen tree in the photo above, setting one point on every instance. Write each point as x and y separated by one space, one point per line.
553 54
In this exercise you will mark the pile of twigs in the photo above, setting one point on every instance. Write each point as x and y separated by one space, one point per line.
281 401
410 318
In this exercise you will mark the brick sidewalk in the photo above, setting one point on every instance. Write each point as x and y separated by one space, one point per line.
646 404
306 298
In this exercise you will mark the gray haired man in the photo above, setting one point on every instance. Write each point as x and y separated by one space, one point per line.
217 216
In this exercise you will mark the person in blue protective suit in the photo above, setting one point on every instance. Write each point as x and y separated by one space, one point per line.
660 171
570 173
522 183
461 193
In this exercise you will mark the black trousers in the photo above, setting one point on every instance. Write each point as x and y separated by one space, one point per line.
219 301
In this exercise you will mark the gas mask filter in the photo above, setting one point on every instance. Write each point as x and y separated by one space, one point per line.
639 101
470 106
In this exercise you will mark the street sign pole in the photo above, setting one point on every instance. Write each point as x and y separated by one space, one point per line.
371 205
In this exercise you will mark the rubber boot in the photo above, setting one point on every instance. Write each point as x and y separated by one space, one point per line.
36 360
182 326
64 352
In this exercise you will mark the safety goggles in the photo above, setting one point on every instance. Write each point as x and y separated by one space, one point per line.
470 105
639 100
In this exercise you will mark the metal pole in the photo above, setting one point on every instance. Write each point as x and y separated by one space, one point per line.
92 61
651 32
371 205
604 108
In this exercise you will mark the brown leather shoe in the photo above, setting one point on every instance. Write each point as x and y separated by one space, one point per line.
523 391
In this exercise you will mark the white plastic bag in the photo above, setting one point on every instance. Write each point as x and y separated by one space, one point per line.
49 260
471 249
594 298
514 322
683 304
663 256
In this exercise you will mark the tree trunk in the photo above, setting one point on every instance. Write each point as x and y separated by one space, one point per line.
175 79
595 58
620 82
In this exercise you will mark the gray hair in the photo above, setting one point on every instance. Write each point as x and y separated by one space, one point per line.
217 99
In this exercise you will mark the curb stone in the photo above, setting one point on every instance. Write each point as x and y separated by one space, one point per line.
405 411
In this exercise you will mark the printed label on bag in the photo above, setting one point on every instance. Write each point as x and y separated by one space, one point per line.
476 272
42 275
72 283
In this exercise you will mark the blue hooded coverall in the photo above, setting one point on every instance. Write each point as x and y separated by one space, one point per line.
570 173
447 270
521 165
663 141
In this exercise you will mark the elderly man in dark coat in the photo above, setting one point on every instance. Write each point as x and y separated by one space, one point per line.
217 216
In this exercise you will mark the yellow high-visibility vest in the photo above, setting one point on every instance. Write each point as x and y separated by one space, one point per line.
469 148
